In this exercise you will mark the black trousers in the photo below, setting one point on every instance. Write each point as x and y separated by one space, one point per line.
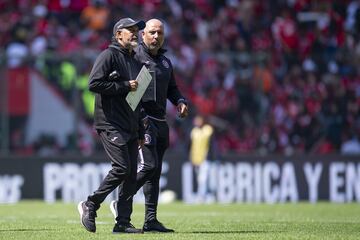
149 169
123 155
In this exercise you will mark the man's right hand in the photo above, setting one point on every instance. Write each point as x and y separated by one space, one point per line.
133 85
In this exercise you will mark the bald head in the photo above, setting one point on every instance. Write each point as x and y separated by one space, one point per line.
153 35
154 23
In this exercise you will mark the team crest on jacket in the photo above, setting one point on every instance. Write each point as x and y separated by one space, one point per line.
165 63
147 138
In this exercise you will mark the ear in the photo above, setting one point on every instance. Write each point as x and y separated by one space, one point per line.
118 35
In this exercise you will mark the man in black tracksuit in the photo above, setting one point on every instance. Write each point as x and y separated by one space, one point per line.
162 87
119 127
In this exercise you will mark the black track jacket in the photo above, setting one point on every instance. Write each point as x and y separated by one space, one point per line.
112 112
165 85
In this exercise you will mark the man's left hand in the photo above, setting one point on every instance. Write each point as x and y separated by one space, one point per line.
182 110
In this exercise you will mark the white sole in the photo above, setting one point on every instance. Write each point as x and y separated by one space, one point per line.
113 209
79 207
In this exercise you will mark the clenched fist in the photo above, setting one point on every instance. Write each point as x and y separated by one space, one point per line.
133 85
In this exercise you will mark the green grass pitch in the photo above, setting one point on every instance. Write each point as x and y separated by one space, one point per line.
37 220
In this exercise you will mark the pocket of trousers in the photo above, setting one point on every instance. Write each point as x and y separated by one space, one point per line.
115 137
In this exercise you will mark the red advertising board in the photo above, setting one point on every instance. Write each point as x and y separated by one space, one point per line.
18 85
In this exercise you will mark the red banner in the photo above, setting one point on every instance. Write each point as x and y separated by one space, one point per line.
18 84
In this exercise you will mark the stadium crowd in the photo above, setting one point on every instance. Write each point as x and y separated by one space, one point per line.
270 76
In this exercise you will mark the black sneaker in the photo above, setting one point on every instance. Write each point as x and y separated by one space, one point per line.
87 215
126 228
155 226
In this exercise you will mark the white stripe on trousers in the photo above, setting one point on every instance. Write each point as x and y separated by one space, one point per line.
141 164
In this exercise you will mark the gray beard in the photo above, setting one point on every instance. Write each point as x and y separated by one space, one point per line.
133 44
152 47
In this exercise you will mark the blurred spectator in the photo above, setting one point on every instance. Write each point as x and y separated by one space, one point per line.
351 145
283 75
96 15
202 155
46 146
17 51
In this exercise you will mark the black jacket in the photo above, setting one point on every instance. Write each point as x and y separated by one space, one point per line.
112 112
163 85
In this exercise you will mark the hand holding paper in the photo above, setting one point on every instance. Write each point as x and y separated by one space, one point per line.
133 85
143 79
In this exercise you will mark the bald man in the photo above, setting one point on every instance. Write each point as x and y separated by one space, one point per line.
163 87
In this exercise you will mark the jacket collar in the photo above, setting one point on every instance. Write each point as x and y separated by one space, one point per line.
116 45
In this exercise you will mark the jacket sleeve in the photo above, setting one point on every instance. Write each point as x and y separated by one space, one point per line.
173 93
99 81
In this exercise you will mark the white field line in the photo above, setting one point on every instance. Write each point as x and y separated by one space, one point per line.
97 222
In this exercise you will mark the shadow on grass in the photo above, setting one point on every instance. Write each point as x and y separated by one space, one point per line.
228 232
26 230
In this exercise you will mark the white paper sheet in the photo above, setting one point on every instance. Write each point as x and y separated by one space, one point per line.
143 78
